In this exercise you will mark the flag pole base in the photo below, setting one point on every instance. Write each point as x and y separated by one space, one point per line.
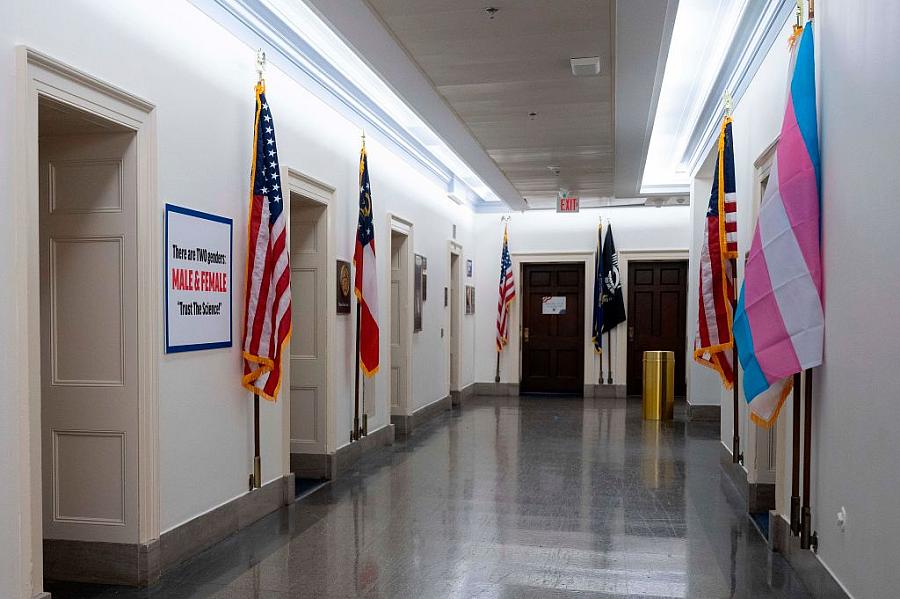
795 515
736 456
808 539
365 425
354 434
257 472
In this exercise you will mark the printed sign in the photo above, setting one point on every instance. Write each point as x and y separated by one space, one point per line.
553 304
198 280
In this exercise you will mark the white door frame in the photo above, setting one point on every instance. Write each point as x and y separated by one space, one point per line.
403 226
39 75
515 317
324 194
454 249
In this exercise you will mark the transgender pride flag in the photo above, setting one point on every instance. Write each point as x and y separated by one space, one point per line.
779 323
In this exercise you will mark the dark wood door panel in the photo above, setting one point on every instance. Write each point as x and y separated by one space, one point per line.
657 309
553 353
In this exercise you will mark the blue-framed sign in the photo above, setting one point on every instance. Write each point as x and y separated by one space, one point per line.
198 259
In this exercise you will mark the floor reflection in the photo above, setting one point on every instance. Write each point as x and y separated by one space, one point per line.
509 497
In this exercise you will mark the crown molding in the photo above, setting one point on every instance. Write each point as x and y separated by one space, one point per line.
758 27
257 26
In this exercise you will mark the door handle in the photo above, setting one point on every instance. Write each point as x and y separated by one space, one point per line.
630 333
525 334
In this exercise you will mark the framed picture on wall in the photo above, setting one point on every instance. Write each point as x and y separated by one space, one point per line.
418 284
470 299
344 283
469 269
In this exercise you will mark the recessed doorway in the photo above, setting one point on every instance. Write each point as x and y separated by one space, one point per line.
309 338
454 304
400 324
88 181
657 317
552 337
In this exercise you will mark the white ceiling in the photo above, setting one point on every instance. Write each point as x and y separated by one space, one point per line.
495 71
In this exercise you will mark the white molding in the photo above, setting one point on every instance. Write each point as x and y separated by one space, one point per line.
454 248
318 191
398 224
757 29
40 75
515 317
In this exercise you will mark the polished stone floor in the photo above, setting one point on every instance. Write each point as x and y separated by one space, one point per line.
508 497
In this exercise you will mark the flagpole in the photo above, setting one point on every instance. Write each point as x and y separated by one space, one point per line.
257 455
609 379
354 433
257 460
807 537
795 460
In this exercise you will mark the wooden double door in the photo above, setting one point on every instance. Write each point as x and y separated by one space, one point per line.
553 328
657 313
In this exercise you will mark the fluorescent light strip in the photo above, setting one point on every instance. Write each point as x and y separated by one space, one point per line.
319 35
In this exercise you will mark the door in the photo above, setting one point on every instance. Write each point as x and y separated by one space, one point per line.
454 321
400 321
553 328
309 342
89 383
657 313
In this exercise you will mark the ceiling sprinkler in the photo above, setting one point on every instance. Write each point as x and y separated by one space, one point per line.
491 11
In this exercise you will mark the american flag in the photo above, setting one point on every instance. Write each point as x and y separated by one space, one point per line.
267 308
366 281
507 294
714 342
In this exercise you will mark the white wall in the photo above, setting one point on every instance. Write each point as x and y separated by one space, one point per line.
14 558
635 229
855 416
704 386
201 79
856 420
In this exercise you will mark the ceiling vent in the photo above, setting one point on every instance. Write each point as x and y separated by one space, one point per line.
588 66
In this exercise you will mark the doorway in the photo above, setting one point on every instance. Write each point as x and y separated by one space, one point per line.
657 317
454 305
87 197
553 328
401 319
309 338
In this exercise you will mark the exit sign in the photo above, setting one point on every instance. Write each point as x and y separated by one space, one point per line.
566 204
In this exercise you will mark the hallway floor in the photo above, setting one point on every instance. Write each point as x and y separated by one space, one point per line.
508 497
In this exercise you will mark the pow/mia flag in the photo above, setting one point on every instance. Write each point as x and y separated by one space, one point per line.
612 300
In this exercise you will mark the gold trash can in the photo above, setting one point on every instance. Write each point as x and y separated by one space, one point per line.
659 385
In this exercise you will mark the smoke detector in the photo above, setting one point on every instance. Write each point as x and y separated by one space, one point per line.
588 66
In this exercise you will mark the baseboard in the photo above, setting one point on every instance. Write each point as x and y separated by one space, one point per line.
458 397
183 542
132 564
497 389
699 413
814 575
345 457
605 391
404 425
314 465
759 497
